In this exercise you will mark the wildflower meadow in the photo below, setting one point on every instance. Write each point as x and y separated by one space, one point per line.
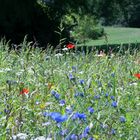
68 95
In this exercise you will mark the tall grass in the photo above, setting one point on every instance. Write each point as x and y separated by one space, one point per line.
69 96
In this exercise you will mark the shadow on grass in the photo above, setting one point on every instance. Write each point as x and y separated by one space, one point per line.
113 48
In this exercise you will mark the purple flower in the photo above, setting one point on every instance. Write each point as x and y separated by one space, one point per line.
97 96
6 111
57 96
68 110
104 126
45 114
112 97
106 95
91 110
114 104
46 124
90 138
83 135
53 92
56 116
81 82
73 137
78 115
87 129
79 94
122 119
63 132
62 102
113 132
74 68
71 77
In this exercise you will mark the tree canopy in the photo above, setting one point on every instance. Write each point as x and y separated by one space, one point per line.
39 19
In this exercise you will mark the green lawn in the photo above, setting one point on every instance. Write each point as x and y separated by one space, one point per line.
117 35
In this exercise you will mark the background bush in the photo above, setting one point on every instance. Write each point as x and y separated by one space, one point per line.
87 28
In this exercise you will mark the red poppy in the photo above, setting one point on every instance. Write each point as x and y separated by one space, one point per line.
137 75
70 46
24 91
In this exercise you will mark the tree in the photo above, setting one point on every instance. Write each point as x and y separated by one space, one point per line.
36 18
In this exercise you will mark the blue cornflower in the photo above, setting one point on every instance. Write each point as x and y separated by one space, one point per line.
87 129
79 94
91 138
75 116
91 110
53 92
57 96
104 126
81 116
78 115
122 119
73 137
46 124
97 96
114 104
112 97
62 102
56 116
76 94
74 68
83 135
6 111
113 132
63 132
106 95
71 77
45 114
81 82
68 110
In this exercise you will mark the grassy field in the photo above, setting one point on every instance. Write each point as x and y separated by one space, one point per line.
117 35
68 96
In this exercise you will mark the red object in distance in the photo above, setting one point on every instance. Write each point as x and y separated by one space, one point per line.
70 46
24 91
137 75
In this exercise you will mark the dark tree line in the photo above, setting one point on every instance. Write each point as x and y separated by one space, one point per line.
118 12
39 19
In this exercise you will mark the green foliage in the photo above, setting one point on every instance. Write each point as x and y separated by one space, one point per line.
88 28
115 12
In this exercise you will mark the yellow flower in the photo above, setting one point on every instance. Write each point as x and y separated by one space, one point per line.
42 106
50 85
96 137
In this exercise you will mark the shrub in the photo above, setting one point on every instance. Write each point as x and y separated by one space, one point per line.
82 27
88 28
